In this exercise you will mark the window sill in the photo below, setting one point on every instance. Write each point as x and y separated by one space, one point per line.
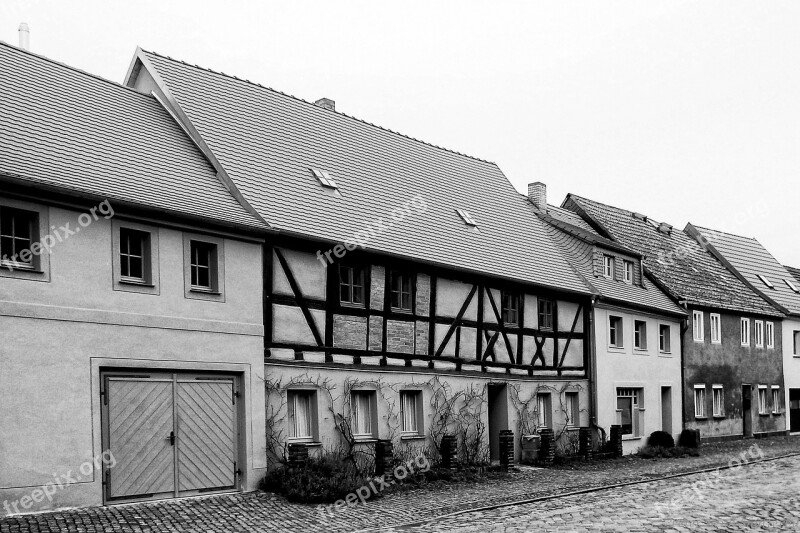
137 283
21 267
401 310
365 440
200 290
630 437
351 305
665 354
640 350
307 443
700 417
718 417
412 437
616 348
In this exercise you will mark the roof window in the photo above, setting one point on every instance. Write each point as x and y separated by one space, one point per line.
766 282
792 285
324 178
468 220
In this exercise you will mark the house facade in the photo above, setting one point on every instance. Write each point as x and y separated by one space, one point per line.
636 329
749 261
409 291
729 368
131 337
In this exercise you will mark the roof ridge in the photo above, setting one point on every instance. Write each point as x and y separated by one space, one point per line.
245 80
75 69
725 232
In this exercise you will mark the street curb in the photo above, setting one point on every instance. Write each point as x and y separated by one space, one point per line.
573 493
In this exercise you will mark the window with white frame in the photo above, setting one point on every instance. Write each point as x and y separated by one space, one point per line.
628 272
608 266
352 280
697 326
716 328
640 334
664 338
546 311
363 414
745 331
770 334
509 303
776 399
302 414
796 343
630 411
18 233
401 295
411 412
759 333
700 401
763 408
543 410
718 400
615 331
572 408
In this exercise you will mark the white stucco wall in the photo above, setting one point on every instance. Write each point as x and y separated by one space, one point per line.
628 367
791 362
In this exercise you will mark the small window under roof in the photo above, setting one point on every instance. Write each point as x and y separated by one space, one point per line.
468 220
324 178
766 282
792 286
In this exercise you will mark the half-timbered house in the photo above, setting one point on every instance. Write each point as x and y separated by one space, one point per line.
401 278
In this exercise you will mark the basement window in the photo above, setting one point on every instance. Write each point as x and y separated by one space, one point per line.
467 218
324 178
766 282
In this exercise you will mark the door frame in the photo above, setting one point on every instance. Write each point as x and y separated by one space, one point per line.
497 411
747 414
239 428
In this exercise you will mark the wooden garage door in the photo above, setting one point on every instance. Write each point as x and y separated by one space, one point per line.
169 434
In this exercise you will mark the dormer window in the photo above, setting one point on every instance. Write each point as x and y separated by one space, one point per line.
766 282
608 266
628 272
468 220
791 285
324 178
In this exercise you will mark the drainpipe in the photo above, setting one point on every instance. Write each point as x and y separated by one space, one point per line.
684 329
593 364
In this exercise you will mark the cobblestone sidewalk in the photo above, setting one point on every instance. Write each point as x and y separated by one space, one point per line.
266 512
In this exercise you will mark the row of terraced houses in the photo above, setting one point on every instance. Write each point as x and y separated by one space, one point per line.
198 271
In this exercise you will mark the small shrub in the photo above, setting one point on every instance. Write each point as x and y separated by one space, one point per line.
319 480
661 439
690 438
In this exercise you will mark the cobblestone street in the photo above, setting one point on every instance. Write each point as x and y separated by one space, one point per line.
761 495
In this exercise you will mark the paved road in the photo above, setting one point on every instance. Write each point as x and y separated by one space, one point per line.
757 497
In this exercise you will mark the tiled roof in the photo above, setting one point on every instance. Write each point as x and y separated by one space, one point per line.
579 252
751 259
676 260
570 217
267 142
65 128
793 271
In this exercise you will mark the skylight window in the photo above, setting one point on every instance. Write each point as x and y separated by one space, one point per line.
792 285
766 282
324 178
468 220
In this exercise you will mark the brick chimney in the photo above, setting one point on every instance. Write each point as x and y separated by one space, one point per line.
326 103
537 194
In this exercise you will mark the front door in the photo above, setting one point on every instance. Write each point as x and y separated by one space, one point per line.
794 410
169 434
498 418
747 412
666 409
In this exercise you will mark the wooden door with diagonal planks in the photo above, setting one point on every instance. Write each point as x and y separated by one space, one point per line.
169 434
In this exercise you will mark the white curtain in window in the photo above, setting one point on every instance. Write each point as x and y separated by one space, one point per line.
409 408
362 413
300 415
543 408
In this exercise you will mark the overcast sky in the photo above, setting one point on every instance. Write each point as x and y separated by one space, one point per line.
683 111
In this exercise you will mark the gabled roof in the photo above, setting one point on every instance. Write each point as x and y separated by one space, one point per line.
750 260
675 260
793 271
268 142
69 130
578 246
